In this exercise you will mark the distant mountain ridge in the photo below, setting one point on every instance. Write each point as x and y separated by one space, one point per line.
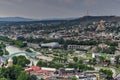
81 19
19 19
16 19
98 18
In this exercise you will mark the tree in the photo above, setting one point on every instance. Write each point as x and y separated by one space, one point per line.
83 67
20 60
1 51
101 59
3 79
80 61
19 43
2 45
117 58
28 50
73 65
33 77
92 61
42 63
15 72
6 52
75 59
23 76
108 73
74 78
10 73
112 48
41 79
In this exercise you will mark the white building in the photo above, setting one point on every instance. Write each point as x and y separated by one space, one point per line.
51 45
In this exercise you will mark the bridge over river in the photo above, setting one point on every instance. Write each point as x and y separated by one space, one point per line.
29 54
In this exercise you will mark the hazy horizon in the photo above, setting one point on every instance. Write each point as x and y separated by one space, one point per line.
48 9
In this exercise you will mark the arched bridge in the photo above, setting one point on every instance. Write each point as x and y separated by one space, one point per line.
30 54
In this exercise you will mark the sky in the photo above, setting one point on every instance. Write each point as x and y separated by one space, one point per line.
44 9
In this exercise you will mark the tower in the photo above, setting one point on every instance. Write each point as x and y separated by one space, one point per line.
10 62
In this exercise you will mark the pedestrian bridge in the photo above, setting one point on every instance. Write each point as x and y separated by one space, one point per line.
29 54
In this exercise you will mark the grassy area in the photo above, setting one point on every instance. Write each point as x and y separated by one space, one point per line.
118 70
108 56
88 55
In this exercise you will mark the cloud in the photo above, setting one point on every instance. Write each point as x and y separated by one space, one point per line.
57 8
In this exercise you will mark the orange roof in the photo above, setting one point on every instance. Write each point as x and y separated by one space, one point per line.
35 68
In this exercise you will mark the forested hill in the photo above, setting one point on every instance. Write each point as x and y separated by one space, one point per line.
82 19
98 18
62 23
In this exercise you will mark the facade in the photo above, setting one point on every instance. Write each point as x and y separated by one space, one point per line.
74 47
50 45
118 45
78 47
92 77
2 60
117 77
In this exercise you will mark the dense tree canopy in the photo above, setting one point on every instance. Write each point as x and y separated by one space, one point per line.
20 60
23 76
15 72
11 72
108 73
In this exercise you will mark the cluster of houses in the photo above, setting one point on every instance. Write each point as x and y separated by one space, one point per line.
67 74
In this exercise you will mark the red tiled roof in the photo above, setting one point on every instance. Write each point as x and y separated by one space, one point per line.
36 70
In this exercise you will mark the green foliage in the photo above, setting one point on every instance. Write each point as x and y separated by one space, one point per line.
61 41
110 50
56 65
41 79
80 61
19 43
1 52
2 45
83 67
5 39
2 48
3 79
92 61
75 59
11 72
23 76
51 64
33 77
89 55
20 60
60 59
6 52
42 63
15 72
16 42
117 58
74 78
28 50
73 65
107 72
101 58
111 43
